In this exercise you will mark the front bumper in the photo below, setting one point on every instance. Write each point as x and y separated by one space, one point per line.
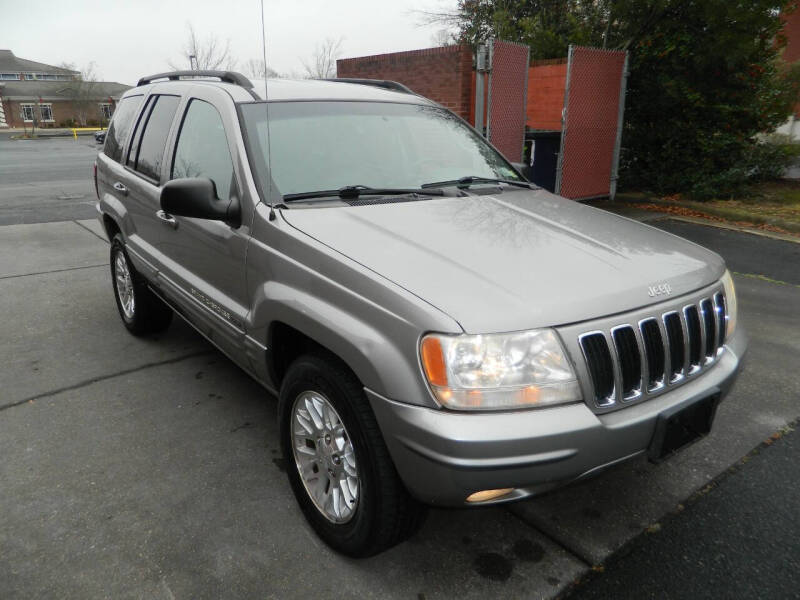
443 456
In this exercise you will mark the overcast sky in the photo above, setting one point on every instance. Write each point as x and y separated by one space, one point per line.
132 38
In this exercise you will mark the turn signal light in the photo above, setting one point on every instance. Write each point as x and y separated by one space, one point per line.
486 495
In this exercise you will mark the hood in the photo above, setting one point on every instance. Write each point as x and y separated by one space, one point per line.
516 260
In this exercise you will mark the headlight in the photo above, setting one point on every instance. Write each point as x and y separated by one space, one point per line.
730 304
499 371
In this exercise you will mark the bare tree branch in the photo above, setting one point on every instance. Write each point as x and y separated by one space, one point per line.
254 68
323 63
82 92
210 53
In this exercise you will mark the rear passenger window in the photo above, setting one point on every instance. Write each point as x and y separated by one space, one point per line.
147 150
202 149
120 126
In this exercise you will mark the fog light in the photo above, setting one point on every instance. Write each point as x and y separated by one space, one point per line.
485 495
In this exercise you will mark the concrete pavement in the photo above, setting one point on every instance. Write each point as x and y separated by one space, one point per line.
149 467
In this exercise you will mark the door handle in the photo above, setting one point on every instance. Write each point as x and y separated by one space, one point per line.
121 188
167 218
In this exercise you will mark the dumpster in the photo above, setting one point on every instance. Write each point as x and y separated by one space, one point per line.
541 157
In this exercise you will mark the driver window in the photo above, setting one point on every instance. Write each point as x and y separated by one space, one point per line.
202 149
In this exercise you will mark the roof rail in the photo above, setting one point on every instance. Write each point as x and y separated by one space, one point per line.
225 76
381 83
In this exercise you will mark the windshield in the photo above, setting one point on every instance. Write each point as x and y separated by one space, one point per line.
329 145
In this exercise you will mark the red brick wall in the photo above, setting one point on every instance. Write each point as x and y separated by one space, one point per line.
546 86
791 29
441 74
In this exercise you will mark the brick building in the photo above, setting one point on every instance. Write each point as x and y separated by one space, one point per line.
50 96
443 74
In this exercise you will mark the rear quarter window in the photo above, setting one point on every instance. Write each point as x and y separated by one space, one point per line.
120 126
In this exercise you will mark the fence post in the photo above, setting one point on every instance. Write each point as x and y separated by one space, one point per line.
623 88
480 68
560 164
489 91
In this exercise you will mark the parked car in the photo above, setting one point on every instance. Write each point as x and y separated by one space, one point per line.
100 136
437 330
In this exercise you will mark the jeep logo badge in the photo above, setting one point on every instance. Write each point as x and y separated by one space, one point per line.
662 289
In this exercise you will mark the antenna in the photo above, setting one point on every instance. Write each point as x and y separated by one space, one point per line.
266 105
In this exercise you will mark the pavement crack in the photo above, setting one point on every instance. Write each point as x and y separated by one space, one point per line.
82 226
53 271
761 277
581 556
92 380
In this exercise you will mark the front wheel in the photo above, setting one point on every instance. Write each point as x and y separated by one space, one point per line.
338 464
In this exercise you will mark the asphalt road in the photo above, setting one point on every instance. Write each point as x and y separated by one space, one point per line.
46 180
739 539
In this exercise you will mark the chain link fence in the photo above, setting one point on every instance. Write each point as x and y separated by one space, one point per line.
593 110
507 97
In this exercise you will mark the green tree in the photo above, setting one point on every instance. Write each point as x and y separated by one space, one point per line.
705 78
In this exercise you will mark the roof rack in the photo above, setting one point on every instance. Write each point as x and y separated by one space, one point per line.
381 83
224 76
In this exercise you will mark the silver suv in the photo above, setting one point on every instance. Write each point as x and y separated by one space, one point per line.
437 330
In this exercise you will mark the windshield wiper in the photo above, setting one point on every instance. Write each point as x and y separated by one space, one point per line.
350 192
467 181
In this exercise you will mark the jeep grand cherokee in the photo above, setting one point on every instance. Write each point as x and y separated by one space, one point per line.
437 330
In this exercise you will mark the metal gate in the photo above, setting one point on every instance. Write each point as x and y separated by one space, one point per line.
507 65
594 105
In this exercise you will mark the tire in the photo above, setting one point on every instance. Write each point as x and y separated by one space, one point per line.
141 310
383 513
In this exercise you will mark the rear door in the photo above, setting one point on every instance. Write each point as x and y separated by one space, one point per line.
204 261
144 160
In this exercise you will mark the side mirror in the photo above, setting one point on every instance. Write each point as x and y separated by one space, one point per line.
197 197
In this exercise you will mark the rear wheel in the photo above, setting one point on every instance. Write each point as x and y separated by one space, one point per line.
338 464
140 309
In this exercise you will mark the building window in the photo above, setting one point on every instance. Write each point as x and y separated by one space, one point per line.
47 112
106 111
14 76
27 112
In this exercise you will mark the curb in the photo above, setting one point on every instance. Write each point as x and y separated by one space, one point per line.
719 225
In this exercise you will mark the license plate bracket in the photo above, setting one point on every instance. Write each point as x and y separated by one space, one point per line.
682 425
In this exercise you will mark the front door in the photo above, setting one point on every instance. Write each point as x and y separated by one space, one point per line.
203 262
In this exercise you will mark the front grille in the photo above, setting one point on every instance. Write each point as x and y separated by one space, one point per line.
629 362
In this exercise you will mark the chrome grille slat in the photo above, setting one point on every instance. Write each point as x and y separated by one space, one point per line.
597 355
653 342
708 319
675 338
628 362
722 318
694 330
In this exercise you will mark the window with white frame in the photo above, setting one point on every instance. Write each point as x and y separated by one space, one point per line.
105 110
46 111
28 112
13 76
